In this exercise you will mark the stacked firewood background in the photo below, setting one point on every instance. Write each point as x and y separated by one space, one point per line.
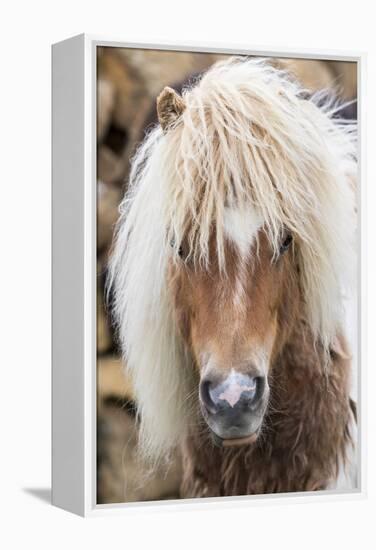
127 85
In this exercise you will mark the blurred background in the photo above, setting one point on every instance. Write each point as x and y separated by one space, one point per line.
128 82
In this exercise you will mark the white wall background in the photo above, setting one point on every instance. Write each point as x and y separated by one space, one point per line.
27 30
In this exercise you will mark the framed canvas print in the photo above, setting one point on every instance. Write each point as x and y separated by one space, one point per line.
207 279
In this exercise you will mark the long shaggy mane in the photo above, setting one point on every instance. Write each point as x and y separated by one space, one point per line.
247 136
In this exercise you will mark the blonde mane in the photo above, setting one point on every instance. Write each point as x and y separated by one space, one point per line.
246 137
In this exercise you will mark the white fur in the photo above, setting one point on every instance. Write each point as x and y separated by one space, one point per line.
152 351
246 141
239 296
241 227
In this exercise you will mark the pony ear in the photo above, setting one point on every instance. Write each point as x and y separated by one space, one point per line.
170 106
339 347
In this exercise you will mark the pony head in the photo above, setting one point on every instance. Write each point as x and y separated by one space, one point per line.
238 222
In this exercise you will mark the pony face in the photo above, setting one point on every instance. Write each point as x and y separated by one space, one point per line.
234 323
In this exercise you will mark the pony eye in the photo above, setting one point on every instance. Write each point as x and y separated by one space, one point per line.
180 249
286 243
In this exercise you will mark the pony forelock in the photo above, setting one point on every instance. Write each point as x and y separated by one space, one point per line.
247 136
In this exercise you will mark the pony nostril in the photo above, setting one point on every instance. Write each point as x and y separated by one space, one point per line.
207 396
259 391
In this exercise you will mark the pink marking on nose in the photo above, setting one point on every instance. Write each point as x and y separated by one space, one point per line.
233 392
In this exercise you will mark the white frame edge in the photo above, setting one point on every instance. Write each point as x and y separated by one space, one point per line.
74 279
68 247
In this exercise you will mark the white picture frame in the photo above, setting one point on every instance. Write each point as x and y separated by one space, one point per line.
74 272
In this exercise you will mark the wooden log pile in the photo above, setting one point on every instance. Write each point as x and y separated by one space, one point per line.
128 82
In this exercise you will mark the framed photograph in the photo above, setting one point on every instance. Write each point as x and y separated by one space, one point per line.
207 282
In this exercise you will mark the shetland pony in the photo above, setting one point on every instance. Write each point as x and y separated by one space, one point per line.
232 256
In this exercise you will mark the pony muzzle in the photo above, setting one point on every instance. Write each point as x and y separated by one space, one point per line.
234 407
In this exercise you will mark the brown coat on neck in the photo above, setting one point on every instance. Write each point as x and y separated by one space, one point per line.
305 433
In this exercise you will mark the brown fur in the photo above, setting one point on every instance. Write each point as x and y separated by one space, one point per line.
305 429
303 439
205 308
